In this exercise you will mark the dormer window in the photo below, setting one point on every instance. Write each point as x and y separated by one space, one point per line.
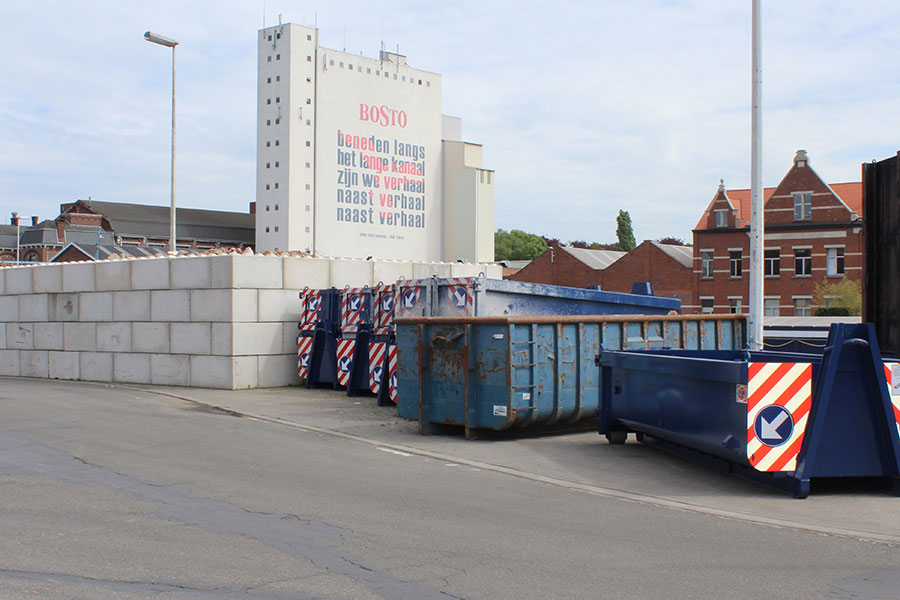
722 217
802 206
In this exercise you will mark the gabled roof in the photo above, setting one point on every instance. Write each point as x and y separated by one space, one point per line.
95 252
683 254
595 259
851 193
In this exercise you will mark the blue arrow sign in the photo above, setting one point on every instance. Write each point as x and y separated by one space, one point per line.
773 425
313 304
376 372
304 360
394 380
387 303
460 297
355 303
344 364
409 298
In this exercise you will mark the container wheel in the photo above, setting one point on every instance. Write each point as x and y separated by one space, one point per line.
617 437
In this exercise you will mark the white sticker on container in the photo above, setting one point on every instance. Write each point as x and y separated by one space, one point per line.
499 410
498 336
895 379
526 396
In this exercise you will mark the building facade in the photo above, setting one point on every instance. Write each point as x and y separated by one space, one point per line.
355 159
813 235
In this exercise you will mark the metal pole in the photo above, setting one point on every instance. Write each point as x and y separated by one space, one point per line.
757 220
172 210
17 239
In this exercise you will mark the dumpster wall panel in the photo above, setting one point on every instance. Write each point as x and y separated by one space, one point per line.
881 207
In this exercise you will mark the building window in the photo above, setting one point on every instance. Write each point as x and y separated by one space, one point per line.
307 143
706 264
278 78
276 187
368 70
834 262
268 101
277 99
722 217
308 37
803 307
802 262
735 263
270 37
276 164
276 229
802 206
309 100
276 207
307 165
268 59
307 122
771 306
307 230
308 58
307 186
268 165
267 187
277 57
267 208
278 120
276 142
278 36
268 122
307 208
734 305
330 63
772 262
267 230
268 143
706 305
268 80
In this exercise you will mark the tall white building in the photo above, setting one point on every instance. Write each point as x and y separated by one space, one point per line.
355 159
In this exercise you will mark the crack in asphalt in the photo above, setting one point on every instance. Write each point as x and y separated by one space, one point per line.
306 539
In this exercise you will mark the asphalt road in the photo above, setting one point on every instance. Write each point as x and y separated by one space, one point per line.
112 492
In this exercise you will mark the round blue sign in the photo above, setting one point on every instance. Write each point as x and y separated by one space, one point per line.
774 425
344 364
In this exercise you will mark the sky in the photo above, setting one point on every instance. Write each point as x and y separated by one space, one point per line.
583 108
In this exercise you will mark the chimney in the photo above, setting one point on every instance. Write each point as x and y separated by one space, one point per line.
14 219
801 159
34 220
61 232
253 208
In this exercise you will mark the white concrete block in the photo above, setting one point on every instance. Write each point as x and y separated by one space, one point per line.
9 363
492 271
2 281
65 365
150 337
170 305
190 338
9 308
96 366
299 273
221 271
166 369
211 305
278 371
150 274
257 338
20 336
80 336
48 336
466 269
47 278
33 307
244 306
391 271
131 306
64 307
355 273
79 277
96 307
131 368
3 335
34 363
19 280
279 305
190 272
113 275
426 270
224 372
257 272
289 337
114 337
221 344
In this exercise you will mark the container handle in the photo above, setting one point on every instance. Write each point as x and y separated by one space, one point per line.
447 339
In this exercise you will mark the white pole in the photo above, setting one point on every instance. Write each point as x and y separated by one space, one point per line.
17 238
172 210
757 221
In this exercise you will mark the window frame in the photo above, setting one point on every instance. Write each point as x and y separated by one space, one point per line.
803 202
772 264
800 261
735 265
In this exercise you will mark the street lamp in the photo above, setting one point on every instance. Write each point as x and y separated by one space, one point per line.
169 43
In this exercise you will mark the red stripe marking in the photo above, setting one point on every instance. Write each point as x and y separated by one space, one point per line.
789 453
760 392
754 368
896 413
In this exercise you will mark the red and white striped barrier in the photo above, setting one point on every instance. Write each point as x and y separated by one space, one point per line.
304 355
392 373
778 402
352 302
892 376
345 360
310 303
376 365
461 294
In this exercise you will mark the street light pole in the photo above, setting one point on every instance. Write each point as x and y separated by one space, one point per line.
757 201
169 43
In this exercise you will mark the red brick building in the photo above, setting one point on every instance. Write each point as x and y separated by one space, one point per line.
572 267
813 234
667 267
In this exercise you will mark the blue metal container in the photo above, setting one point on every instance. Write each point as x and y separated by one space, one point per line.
781 418
498 373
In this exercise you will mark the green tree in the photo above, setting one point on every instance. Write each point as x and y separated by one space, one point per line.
831 298
624 232
517 245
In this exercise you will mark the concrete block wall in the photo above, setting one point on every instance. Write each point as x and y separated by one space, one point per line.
226 321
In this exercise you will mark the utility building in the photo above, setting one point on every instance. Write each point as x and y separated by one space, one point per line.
355 159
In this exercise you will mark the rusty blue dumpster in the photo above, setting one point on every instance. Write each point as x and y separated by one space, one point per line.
496 373
779 418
